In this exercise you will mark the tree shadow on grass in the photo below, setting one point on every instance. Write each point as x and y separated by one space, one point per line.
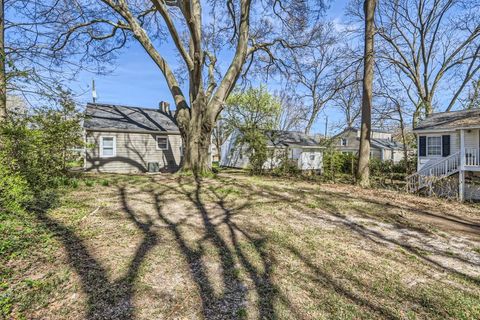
232 302
106 299
330 203
245 257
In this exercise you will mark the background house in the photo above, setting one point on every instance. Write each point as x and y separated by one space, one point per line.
382 146
448 145
131 139
303 150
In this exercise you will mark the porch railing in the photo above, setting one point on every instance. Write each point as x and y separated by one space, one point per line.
472 157
429 174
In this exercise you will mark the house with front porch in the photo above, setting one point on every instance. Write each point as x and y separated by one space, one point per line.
448 146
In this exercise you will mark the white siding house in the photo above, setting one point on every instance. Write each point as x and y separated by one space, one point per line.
302 150
448 145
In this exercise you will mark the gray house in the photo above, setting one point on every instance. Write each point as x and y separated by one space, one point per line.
382 145
124 139
302 150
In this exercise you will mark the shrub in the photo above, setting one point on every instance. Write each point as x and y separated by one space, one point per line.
286 166
35 150
14 191
336 163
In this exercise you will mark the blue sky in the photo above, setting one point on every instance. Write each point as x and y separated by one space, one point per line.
136 80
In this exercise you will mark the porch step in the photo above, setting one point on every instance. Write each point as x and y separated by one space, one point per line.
430 174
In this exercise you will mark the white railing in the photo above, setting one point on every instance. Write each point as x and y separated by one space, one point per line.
471 157
431 173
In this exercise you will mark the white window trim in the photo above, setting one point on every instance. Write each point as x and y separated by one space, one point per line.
341 142
441 147
156 141
114 146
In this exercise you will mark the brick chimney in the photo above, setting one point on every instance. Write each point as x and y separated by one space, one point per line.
164 107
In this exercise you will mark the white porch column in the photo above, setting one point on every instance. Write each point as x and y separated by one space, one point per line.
461 173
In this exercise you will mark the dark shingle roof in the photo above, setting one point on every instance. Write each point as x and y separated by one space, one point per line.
451 120
116 117
290 138
386 144
355 129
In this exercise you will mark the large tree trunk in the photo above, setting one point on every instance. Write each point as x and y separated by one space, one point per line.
196 129
3 78
363 170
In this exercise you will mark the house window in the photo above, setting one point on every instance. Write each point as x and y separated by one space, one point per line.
312 157
343 142
108 147
434 146
162 143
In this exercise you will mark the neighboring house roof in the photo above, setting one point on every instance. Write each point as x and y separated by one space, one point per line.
123 118
278 138
355 129
385 144
450 120
375 142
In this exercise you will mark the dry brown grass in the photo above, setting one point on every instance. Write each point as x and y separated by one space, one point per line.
240 247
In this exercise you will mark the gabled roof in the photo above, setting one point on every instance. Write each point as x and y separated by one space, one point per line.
123 118
278 138
355 129
451 120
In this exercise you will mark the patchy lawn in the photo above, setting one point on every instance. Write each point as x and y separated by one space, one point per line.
240 247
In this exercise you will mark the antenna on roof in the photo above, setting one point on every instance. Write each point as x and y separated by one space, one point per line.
94 92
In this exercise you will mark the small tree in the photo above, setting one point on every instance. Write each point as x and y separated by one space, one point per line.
61 130
253 113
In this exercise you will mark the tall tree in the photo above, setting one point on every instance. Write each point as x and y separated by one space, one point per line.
293 112
316 70
363 170
3 77
435 45
28 68
348 100
248 30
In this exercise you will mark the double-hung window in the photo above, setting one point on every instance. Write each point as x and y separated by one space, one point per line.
162 143
343 142
434 146
107 147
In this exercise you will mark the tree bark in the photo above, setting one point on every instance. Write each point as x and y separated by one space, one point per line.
3 77
363 170
404 139
196 135
309 125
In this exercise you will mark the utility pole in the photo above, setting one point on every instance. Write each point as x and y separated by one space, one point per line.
94 92
326 126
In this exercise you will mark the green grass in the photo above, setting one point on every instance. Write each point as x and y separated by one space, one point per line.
255 245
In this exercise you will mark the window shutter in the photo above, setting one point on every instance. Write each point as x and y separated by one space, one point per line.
445 145
422 146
